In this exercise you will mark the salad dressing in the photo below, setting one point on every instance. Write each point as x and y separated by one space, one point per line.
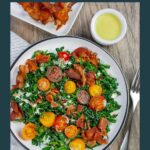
108 26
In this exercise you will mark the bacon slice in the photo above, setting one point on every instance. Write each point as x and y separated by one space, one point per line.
70 110
90 78
32 65
79 108
80 122
40 58
103 122
86 55
80 69
50 99
99 138
20 79
91 143
16 111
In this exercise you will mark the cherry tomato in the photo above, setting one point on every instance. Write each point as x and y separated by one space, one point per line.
61 122
29 131
64 55
71 131
43 84
97 103
47 119
77 144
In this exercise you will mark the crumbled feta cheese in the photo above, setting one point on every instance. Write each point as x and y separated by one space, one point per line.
26 85
28 94
105 103
114 95
37 111
28 102
42 69
98 74
105 138
19 94
68 96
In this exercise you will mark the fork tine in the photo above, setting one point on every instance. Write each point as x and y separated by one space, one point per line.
135 82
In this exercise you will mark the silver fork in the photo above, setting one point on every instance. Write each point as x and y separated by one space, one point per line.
135 97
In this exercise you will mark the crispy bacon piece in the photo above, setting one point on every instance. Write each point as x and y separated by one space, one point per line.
50 99
48 12
79 108
91 143
54 91
80 69
90 78
103 122
99 138
16 111
32 65
20 79
80 122
86 55
93 135
90 133
40 58
70 110
39 100
37 11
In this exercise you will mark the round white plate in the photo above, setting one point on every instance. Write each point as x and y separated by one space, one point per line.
70 43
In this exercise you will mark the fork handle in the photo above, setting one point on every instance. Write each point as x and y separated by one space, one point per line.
124 144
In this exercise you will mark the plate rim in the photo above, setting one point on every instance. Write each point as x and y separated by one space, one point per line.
78 37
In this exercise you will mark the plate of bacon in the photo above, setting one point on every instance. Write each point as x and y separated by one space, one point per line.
67 93
56 18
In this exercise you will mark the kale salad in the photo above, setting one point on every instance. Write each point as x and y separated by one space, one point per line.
66 100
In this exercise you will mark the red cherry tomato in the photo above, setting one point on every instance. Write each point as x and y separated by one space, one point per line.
61 122
64 55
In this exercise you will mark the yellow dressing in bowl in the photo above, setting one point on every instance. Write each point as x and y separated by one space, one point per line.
108 26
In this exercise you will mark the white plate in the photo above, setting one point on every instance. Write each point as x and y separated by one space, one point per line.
17 11
71 43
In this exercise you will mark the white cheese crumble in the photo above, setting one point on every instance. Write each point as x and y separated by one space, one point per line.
68 96
61 63
98 73
114 95
42 68
37 111
26 85
19 94
28 94
28 102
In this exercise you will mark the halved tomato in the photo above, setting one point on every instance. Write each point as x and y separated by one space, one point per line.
71 131
64 55
61 122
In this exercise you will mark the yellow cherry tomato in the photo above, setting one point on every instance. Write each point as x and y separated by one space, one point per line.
77 144
95 90
71 131
47 119
70 87
43 84
29 131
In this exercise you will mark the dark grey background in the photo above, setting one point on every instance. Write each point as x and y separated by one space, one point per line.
5 71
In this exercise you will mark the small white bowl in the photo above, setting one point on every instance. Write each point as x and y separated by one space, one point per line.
122 21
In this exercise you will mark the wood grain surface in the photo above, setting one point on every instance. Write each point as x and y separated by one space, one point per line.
126 52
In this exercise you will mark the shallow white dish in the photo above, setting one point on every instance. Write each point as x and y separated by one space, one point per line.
71 43
121 19
17 11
